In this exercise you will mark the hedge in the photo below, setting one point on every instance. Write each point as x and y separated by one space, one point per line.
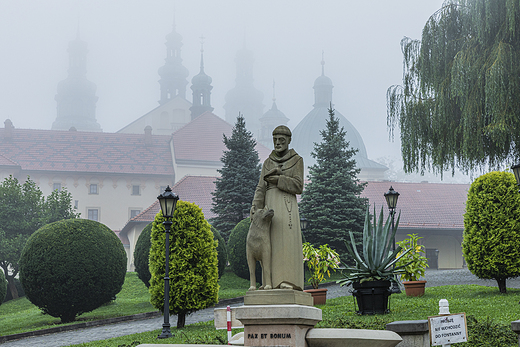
71 267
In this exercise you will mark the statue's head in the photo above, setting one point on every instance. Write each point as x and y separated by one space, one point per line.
281 139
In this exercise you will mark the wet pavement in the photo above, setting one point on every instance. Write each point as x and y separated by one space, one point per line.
433 277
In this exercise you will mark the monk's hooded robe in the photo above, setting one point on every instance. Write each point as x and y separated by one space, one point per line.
286 238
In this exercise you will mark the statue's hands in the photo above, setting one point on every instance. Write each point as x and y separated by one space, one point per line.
273 172
272 179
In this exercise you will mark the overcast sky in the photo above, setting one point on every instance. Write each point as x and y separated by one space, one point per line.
360 40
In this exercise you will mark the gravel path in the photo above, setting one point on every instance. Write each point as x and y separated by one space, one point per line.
434 278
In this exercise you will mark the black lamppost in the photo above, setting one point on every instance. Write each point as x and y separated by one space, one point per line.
516 171
168 201
391 200
304 224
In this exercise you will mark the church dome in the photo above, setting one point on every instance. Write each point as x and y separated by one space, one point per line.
174 37
275 114
201 79
307 132
173 71
322 81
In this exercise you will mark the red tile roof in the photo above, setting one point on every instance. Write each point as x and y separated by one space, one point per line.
195 189
78 151
201 139
4 161
422 205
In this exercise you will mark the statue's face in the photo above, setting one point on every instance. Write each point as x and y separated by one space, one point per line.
281 144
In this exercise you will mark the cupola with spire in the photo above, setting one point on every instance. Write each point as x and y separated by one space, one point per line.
270 120
307 132
322 88
201 87
76 97
173 74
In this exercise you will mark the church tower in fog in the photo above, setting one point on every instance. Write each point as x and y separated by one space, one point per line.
244 98
201 87
76 98
173 74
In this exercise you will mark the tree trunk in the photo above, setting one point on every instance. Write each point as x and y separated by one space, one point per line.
12 287
502 285
181 320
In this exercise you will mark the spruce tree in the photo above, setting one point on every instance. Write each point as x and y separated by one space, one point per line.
239 177
331 201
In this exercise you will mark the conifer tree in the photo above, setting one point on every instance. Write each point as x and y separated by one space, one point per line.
331 201
239 177
193 263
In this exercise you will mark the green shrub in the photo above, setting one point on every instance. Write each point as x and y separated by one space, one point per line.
193 262
491 228
3 287
142 255
221 251
487 332
237 251
71 267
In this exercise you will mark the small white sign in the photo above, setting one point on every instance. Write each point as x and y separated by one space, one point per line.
448 329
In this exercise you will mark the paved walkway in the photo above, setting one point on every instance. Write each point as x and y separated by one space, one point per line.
434 278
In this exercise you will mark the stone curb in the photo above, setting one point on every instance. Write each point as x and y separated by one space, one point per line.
100 322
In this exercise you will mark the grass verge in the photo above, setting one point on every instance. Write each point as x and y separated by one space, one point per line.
20 315
489 317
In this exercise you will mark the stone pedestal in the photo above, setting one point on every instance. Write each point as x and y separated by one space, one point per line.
277 325
278 297
415 333
516 328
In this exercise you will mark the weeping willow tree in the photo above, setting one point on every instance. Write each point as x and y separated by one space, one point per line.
459 105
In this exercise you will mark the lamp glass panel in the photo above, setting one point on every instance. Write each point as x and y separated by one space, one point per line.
164 209
516 171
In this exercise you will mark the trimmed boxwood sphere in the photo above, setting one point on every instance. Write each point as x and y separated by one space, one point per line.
142 255
221 250
237 251
3 287
71 267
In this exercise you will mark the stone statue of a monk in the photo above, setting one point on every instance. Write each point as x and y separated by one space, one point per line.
281 179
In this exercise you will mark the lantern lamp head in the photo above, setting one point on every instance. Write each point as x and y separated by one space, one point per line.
391 198
168 201
516 171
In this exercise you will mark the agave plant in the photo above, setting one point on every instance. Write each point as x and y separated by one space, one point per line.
377 263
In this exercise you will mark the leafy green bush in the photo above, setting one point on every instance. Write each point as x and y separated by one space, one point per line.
237 251
142 255
71 267
491 228
3 287
193 262
487 332
221 251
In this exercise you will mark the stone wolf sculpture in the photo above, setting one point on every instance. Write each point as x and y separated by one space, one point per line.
258 247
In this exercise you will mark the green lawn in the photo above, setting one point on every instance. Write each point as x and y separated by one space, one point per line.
489 312
489 317
20 315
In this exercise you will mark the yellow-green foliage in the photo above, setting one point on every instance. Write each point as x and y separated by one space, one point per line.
193 261
492 227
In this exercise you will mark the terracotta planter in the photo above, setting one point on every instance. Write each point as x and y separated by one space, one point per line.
319 296
372 296
414 288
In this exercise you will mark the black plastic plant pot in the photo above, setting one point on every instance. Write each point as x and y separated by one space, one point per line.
372 296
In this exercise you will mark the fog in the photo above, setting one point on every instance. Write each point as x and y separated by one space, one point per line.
360 41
